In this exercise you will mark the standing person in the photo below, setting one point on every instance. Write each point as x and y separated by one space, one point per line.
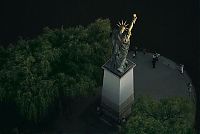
134 55
181 68
156 55
135 50
154 61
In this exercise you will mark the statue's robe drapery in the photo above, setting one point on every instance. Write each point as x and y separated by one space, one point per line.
120 49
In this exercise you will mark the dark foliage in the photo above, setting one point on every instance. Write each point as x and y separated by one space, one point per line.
60 63
167 116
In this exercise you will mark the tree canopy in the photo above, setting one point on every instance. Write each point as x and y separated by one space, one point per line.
167 116
59 62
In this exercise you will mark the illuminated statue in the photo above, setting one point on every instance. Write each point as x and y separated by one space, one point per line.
121 43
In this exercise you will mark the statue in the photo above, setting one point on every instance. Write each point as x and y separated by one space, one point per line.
121 43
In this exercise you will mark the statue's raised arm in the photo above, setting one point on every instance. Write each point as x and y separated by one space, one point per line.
131 25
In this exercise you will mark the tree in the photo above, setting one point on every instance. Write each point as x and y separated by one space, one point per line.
25 79
172 115
60 63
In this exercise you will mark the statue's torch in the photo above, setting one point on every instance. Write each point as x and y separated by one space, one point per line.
131 25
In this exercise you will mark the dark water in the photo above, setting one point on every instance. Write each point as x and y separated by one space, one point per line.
168 26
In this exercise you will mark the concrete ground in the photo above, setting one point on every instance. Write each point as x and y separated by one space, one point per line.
163 81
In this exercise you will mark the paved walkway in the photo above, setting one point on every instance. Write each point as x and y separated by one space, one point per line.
163 81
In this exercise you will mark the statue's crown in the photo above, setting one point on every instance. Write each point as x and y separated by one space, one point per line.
122 24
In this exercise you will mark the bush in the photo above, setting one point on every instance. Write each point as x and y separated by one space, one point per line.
167 116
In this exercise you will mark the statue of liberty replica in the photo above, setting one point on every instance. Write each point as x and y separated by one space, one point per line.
118 80
121 43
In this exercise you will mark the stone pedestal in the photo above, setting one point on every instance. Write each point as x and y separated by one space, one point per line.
117 91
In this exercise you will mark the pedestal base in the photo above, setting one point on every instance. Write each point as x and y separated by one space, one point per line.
117 115
117 92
